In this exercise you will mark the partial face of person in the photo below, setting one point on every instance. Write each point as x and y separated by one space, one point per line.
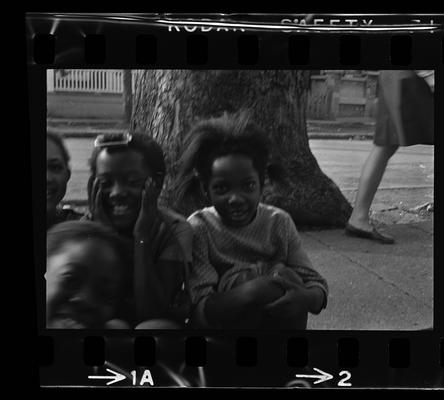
234 189
122 176
82 285
57 176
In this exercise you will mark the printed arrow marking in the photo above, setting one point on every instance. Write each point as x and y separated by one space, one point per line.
324 376
116 378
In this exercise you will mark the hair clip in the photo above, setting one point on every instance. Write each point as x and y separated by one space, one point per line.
107 140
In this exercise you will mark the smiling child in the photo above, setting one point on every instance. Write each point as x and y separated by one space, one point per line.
127 174
243 248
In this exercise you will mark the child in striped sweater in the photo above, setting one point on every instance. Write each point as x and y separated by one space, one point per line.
249 267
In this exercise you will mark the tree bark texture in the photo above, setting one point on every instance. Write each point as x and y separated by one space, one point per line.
127 95
168 102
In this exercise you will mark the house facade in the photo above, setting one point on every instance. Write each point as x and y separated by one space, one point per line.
343 94
98 94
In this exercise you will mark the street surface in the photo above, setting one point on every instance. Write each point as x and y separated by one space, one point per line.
410 171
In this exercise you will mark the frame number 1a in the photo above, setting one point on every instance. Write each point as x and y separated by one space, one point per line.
146 378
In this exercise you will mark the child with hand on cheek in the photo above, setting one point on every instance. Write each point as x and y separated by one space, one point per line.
249 268
127 173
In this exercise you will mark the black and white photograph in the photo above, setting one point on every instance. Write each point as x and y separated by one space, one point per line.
233 199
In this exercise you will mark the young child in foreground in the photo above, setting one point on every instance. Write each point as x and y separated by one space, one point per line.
249 268
83 276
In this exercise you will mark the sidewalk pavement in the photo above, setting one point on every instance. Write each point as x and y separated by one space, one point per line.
375 286
372 285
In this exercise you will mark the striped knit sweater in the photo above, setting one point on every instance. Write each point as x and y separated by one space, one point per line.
271 237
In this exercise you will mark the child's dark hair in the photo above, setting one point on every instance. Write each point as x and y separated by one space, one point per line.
141 142
58 141
217 137
83 230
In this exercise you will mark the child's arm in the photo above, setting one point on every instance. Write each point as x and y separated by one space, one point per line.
300 262
297 299
310 295
227 308
161 281
150 296
149 290
173 266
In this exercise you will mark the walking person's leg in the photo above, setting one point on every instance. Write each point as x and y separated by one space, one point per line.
371 176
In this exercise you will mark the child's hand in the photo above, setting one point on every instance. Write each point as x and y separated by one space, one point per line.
284 272
148 221
262 290
96 204
292 304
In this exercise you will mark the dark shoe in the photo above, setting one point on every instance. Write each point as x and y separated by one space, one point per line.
372 235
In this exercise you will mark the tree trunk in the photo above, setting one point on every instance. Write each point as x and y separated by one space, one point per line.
127 95
168 102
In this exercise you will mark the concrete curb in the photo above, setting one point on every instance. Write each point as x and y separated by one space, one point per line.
340 136
317 129
92 133
84 133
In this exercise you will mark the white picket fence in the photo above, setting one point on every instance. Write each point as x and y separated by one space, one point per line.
86 80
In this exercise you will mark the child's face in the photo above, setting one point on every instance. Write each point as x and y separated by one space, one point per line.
122 176
234 189
57 176
82 285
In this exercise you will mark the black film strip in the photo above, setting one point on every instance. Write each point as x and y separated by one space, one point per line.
405 358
